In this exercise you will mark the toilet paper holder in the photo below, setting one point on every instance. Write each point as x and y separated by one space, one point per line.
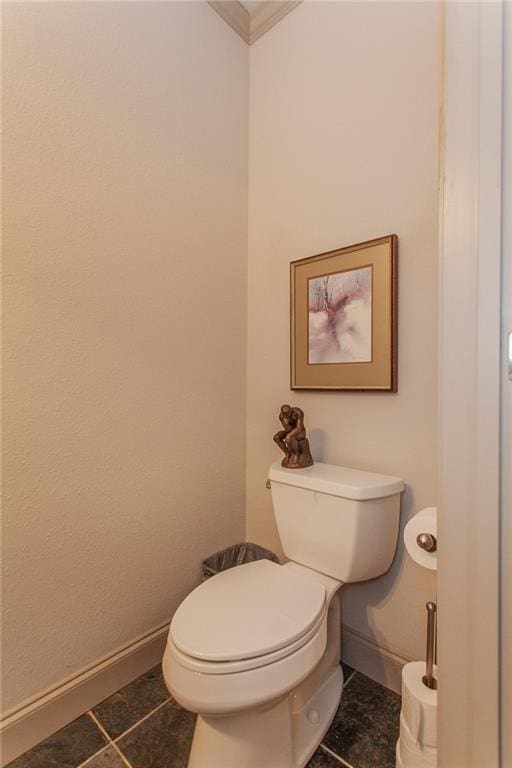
428 678
427 541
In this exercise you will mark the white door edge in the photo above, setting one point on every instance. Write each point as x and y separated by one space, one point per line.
469 353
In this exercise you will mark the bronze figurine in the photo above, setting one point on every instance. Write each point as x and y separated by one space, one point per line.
292 438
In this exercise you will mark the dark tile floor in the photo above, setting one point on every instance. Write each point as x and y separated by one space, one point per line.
140 726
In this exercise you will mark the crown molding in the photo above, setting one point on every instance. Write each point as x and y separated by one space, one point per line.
235 15
251 26
267 15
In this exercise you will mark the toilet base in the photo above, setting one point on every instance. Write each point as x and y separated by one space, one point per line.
283 735
309 730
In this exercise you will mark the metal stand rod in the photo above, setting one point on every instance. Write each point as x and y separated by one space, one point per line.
429 678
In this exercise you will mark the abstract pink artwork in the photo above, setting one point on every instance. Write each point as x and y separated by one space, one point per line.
340 317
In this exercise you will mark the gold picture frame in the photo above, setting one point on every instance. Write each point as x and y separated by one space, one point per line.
344 318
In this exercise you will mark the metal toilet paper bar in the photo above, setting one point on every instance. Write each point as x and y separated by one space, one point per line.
429 679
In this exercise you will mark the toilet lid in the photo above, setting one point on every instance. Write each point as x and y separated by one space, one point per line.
247 611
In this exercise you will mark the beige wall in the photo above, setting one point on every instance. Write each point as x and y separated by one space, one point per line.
343 148
125 247
125 240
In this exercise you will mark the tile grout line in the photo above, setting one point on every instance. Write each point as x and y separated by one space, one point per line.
121 755
349 678
104 733
128 730
337 757
99 725
110 741
103 749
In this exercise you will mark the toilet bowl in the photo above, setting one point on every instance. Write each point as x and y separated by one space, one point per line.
253 672
255 650
247 636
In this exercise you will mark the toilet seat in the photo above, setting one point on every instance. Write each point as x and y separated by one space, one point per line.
247 617
217 694
242 665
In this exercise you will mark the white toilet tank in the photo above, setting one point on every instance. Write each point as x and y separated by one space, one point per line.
339 521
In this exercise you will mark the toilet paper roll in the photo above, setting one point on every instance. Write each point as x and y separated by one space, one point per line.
424 521
415 757
418 718
399 763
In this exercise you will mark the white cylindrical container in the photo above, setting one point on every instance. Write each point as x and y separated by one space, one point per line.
417 745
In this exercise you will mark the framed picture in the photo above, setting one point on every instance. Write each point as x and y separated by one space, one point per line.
344 318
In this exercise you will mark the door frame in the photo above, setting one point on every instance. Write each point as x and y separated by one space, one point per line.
469 386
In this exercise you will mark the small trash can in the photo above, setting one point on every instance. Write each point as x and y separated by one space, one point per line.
238 554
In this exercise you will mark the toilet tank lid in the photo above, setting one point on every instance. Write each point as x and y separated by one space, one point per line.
338 481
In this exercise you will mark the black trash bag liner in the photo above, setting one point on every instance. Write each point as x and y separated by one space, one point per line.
238 554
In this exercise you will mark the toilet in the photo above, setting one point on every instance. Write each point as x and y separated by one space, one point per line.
255 650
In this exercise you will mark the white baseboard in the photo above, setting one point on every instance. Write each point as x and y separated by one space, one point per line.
42 715
373 660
